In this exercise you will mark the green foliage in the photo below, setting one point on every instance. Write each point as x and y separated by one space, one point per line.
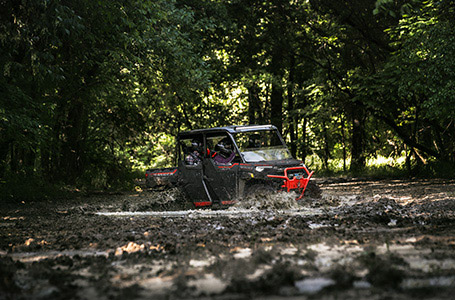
413 93
84 84
91 91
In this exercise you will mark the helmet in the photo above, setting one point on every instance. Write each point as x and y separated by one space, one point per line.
254 141
196 145
224 147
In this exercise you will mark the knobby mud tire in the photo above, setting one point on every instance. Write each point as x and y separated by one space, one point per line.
313 190
260 190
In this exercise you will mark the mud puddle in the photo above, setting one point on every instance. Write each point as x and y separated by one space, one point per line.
362 239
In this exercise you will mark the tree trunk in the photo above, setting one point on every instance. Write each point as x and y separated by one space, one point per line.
292 119
357 143
326 152
304 134
45 162
29 162
276 106
13 158
343 142
74 146
4 150
276 101
254 105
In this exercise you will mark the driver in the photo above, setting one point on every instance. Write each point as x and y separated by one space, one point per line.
254 141
224 152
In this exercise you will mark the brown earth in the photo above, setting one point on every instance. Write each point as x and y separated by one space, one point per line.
363 239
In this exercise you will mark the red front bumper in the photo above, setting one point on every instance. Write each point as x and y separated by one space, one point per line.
297 182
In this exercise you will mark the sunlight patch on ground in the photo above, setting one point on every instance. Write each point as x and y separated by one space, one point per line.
207 285
415 283
313 285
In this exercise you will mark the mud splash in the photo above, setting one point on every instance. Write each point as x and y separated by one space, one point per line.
171 199
232 212
162 204
269 201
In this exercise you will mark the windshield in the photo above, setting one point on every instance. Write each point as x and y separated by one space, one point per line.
265 145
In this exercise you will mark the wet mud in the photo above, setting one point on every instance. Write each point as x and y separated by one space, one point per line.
362 239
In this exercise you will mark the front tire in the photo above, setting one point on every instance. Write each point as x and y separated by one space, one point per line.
312 190
259 190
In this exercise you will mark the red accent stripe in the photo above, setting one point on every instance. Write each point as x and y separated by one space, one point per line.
228 202
164 173
198 204
227 167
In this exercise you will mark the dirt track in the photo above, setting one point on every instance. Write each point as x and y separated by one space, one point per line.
363 239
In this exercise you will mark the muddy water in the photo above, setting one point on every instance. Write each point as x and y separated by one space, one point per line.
363 239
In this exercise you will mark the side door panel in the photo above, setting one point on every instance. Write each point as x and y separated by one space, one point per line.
190 178
191 170
221 180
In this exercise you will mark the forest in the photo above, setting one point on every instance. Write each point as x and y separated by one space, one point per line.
94 92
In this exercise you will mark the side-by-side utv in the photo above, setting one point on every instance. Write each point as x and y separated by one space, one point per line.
221 165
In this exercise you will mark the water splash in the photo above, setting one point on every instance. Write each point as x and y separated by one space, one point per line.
269 201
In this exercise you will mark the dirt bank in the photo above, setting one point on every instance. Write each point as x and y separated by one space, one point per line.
363 239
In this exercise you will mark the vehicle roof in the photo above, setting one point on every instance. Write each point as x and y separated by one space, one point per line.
230 129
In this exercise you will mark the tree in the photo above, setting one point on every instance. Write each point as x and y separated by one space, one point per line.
413 93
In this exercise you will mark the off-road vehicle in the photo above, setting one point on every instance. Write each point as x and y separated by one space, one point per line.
224 164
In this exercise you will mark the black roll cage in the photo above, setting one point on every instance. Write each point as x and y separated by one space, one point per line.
229 130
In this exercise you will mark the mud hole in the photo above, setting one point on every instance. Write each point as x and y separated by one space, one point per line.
362 239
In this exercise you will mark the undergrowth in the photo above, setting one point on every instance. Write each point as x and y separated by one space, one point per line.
384 168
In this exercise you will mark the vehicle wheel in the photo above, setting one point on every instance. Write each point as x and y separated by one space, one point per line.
313 190
259 190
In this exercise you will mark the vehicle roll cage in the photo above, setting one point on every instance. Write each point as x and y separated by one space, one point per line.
229 130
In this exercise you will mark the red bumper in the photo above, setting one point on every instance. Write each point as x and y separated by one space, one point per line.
297 182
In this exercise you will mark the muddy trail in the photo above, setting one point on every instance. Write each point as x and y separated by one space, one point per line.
362 239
